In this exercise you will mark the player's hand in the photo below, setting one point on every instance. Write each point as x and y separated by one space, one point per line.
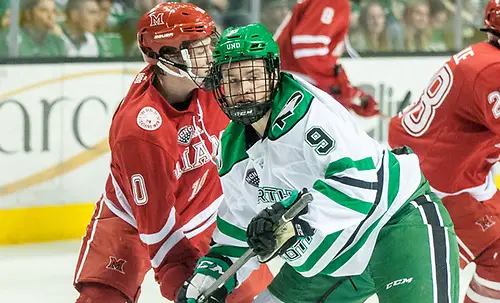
342 91
263 235
364 105
208 270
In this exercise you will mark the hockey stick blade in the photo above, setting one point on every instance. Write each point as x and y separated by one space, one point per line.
291 213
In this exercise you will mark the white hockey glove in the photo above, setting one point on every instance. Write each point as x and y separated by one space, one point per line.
208 270
267 239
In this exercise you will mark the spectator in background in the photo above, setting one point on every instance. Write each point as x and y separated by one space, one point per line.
371 33
127 26
416 26
441 37
104 13
80 38
38 33
273 13
216 9
4 15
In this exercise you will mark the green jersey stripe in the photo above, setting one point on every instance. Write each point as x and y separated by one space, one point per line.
231 230
314 257
345 163
228 251
394 173
348 254
342 199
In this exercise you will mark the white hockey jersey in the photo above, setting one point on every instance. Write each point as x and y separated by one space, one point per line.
312 142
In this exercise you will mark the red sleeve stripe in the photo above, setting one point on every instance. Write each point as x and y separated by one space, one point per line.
122 199
157 237
177 236
203 215
310 52
311 39
121 214
196 231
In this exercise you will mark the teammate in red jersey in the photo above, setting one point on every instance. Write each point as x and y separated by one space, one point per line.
160 200
311 40
455 130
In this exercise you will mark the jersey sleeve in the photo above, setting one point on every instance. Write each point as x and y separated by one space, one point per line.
229 238
317 41
146 172
487 95
343 164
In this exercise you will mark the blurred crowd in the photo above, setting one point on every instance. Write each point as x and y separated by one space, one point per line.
107 28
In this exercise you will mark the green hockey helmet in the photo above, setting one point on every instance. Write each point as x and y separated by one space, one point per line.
245 72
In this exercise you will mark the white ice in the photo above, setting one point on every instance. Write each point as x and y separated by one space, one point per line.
43 273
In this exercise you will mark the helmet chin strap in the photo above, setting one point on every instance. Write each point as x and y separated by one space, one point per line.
164 65
168 70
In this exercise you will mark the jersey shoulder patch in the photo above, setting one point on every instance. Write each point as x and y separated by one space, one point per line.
291 105
232 148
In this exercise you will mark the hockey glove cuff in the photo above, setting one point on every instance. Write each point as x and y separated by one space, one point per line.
208 270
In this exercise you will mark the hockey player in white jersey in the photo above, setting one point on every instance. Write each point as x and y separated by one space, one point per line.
373 225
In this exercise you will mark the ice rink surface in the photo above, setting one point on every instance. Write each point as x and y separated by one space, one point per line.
43 273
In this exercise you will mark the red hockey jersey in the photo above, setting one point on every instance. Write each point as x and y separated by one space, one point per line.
163 179
454 128
312 38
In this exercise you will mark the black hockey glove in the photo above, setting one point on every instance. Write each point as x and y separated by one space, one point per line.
263 236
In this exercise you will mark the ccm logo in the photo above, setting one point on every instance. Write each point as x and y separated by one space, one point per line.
399 282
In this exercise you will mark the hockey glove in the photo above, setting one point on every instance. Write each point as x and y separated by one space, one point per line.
363 104
208 270
352 97
267 239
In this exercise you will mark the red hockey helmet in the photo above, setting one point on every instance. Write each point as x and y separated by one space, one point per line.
180 35
492 18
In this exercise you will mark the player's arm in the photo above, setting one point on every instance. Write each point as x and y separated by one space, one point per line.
147 174
343 171
487 96
228 244
323 27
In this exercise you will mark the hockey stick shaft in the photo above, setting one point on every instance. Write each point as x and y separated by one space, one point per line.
291 213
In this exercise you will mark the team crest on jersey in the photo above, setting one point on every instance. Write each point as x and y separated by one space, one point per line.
288 110
185 135
116 264
149 118
252 178
140 78
485 222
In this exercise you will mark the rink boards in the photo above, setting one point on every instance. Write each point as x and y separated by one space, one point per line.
54 121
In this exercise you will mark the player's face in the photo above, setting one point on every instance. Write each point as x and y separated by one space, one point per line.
200 53
245 81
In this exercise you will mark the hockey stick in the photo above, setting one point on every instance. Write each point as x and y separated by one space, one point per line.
405 102
291 213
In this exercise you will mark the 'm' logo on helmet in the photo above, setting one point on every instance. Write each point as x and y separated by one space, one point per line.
234 45
156 20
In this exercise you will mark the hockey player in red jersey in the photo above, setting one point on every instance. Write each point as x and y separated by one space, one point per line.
311 40
159 204
455 130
